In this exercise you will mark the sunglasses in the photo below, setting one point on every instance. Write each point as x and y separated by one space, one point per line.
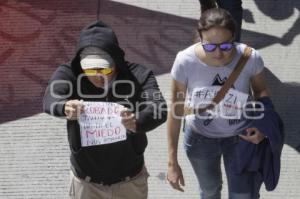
103 71
226 46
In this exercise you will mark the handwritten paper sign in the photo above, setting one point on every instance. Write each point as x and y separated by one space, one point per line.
100 123
231 105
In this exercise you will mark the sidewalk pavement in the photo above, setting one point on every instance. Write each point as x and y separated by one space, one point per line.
34 150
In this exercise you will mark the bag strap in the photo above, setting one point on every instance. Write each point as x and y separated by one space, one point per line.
229 82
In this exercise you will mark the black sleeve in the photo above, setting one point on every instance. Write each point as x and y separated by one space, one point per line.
152 109
58 91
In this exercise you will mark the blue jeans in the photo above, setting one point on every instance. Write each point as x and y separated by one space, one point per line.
205 157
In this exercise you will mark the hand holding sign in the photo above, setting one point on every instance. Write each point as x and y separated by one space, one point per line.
128 120
73 108
100 123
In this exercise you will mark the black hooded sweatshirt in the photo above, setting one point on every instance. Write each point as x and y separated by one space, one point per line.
110 162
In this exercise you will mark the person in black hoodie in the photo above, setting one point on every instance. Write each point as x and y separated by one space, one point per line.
94 74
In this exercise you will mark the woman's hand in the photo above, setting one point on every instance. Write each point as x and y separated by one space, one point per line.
253 135
175 177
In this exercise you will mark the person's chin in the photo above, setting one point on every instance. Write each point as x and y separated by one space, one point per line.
219 61
99 84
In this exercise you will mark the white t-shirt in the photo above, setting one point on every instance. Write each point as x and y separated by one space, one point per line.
203 82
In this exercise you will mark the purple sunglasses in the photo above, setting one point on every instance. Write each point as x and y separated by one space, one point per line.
226 46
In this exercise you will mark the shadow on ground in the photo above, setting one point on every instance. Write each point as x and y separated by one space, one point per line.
36 37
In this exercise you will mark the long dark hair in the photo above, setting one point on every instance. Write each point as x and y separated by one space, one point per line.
216 17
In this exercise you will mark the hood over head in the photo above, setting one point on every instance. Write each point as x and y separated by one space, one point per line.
98 44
